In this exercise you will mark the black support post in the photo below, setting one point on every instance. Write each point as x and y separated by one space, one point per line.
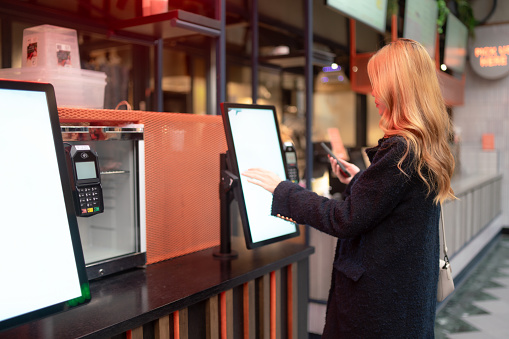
158 75
254 50
308 42
361 120
221 55
6 42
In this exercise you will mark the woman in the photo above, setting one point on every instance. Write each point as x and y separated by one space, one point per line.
385 274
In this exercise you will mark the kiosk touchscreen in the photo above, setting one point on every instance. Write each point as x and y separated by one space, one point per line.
252 135
42 266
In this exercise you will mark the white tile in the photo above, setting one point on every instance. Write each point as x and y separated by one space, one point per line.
494 307
499 293
502 281
505 270
489 325
496 334
470 335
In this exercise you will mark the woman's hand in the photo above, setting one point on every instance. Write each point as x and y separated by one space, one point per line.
351 168
263 178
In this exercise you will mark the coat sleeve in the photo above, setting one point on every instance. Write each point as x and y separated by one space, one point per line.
372 196
348 190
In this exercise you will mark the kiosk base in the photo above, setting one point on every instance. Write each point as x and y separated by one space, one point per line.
226 256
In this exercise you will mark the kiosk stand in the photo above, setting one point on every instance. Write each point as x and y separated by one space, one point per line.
226 185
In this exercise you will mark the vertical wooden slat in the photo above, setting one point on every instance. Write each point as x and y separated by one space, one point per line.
229 314
183 324
302 295
222 299
137 333
263 290
251 286
272 305
289 298
180 324
249 309
226 299
294 278
162 328
245 309
212 315
279 313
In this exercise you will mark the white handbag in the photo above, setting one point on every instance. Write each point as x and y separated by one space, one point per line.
445 281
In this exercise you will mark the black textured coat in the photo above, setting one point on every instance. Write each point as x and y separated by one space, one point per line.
385 274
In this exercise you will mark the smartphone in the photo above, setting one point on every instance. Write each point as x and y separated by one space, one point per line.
342 168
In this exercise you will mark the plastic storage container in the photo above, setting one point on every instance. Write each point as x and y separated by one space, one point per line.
51 47
73 87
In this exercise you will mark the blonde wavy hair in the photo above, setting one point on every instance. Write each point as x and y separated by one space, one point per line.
403 77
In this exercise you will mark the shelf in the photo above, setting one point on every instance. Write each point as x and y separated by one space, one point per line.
172 24
298 59
114 172
96 133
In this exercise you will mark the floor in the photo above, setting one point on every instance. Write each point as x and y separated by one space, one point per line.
479 307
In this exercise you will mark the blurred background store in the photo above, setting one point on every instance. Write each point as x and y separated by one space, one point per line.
307 58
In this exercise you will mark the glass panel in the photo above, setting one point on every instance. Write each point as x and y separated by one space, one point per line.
112 233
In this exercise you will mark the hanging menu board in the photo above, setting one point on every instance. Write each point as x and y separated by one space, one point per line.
371 12
456 38
420 23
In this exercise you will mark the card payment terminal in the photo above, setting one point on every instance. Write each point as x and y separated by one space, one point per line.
291 162
83 167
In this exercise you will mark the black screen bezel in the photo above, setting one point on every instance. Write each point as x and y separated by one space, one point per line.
233 167
69 206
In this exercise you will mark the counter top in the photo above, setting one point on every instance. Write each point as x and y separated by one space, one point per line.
132 298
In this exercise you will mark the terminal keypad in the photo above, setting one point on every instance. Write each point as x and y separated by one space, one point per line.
293 174
89 199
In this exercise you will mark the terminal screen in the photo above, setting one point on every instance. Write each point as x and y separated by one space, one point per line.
85 170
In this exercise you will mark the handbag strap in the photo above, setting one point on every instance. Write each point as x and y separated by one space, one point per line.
446 258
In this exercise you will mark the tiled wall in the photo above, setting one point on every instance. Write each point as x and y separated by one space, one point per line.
486 110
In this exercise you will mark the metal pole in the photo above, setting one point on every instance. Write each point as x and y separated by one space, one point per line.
158 75
254 52
6 42
221 55
211 80
361 120
308 45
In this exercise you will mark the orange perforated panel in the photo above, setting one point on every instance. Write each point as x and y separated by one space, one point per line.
182 182
181 176
105 117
